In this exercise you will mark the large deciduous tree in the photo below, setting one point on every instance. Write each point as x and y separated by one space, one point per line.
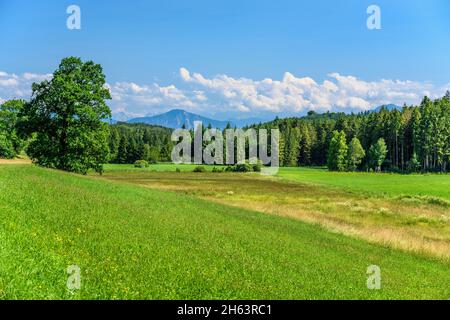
65 117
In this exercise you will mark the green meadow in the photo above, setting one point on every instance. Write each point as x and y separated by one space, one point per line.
159 167
384 184
380 184
136 235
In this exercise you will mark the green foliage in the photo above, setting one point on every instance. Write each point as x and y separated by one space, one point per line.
244 167
423 130
257 167
141 164
199 169
355 154
10 143
291 147
131 142
6 147
122 152
337 152
377 154
65 118
414 164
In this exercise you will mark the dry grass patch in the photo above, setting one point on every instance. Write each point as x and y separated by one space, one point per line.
15 161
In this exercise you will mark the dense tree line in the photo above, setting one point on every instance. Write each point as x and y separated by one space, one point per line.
63 126
416 138
131 142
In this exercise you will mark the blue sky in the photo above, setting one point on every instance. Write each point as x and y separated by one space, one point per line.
240 58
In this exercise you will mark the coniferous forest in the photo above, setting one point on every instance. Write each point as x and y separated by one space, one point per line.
414 139
131 142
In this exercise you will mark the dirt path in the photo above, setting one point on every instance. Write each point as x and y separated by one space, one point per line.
14 161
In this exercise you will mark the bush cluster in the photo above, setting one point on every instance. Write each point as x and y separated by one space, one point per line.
141 164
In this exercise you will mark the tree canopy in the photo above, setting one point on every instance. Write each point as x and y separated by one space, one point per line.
355 154
337 152
10 142
377 154
65 118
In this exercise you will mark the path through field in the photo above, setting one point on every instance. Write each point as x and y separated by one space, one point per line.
14 161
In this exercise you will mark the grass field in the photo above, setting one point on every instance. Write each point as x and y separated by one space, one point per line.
418 223
137 242
159 167
382 184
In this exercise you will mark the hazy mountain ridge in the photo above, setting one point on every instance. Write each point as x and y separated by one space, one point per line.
176 118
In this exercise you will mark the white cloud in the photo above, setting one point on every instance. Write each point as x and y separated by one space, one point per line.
36 77
9 82
230 97
18 86
294 94
184 73
150 99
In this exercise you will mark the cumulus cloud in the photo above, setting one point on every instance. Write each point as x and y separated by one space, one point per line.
294 94
154 98
18 86
226 96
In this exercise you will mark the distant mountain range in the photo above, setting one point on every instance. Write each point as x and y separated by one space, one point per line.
388 107
176 118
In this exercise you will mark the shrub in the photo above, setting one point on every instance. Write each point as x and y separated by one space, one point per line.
199 169
217 170
141 164
229 169
177 170
257 166
244 167
240 167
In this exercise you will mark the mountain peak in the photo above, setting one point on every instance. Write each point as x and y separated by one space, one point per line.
176 118
177 111
388 107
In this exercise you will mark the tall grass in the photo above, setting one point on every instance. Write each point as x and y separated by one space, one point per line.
137 243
